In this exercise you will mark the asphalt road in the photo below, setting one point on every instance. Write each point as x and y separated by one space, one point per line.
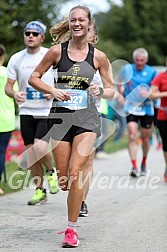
124 214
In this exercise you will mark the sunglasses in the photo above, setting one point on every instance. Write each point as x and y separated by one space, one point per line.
35 34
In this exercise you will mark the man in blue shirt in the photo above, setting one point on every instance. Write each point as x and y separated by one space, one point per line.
136 79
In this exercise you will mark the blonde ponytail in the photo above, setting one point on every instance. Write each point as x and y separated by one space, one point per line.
60 32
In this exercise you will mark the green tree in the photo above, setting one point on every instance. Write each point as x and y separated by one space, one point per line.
16 13
137 23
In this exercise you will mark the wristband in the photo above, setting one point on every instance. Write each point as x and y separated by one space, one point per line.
101 91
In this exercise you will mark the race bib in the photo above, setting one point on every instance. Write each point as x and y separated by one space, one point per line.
33 94
79 100
134 109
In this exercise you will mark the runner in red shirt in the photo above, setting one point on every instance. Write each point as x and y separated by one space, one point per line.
159 90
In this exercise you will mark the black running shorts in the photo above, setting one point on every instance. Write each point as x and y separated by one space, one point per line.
32 128
65 124
145 120
162 126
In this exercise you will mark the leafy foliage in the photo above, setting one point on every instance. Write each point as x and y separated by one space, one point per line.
16 13
137 23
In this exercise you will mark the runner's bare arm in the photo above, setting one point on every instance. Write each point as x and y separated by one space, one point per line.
48 60
9 88
51 58
155 93
19 96
104 67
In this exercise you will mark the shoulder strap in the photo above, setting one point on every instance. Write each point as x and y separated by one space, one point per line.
90 56
64 47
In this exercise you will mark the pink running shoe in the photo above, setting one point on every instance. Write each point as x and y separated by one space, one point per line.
71 238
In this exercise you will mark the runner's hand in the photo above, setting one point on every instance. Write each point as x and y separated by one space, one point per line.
94 90
60 94
20 96
48 96
144 93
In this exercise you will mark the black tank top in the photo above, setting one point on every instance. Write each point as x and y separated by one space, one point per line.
72 74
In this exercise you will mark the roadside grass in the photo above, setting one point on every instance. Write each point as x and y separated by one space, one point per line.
15 175
112 146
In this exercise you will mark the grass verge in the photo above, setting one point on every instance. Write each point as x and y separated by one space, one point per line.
112 146
15 176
